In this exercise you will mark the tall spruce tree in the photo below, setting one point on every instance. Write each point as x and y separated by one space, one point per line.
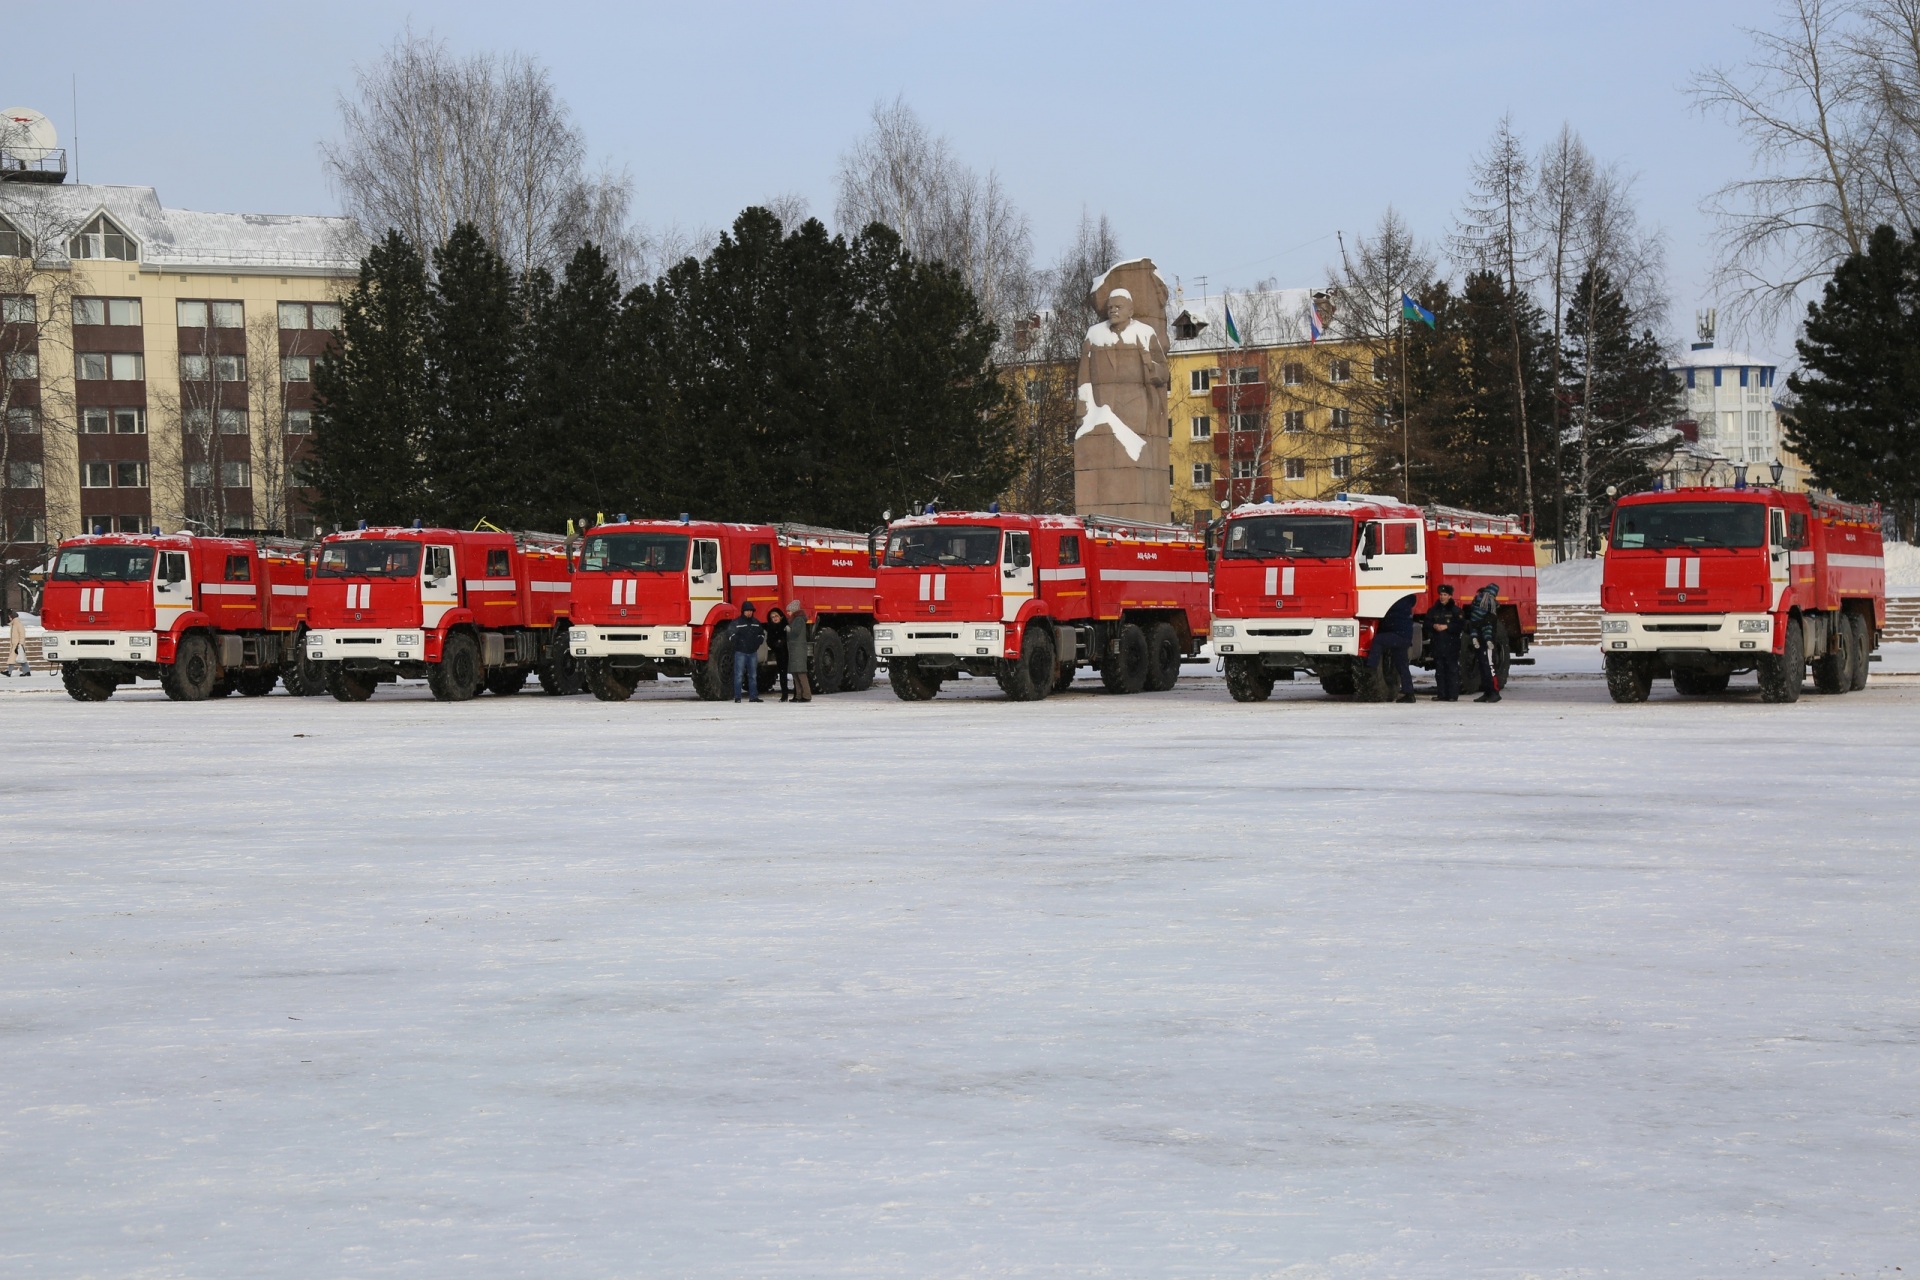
367 458
1857 426
577 430
475 456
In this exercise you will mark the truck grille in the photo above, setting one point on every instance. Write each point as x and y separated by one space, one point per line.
936 635
1681 626
1279 631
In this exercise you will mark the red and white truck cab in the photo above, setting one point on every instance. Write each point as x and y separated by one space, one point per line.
1302 586
467 609
658 597
1702 584
1026 599
204 616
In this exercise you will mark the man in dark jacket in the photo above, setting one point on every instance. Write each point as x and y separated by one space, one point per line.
1444 625
797 653
1483 621
748 635
1391 642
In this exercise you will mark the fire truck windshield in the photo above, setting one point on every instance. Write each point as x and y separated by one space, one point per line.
104 564
368 560
1264 537
944 544
635 553
1652 526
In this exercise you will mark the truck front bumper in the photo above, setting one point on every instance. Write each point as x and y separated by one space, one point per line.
1307 637
948 639
101 646
368 645
1735 633
653 643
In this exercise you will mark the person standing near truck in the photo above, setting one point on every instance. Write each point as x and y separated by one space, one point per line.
1444 625
16 644
1483 621
798 653
747 636
1390 645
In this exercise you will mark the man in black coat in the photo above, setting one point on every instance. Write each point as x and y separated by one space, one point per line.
1445 624
747 635
1483 621
1391 642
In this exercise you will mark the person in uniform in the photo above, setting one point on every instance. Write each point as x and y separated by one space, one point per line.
1444 628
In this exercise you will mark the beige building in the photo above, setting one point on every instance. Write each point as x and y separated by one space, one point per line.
158 362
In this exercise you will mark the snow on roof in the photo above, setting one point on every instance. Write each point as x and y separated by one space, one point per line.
1264 317
1717 358
183 239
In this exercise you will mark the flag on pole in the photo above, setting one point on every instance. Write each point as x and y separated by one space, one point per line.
1233 330
1411 310
1313 322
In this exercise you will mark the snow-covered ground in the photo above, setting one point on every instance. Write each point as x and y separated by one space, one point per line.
1150 986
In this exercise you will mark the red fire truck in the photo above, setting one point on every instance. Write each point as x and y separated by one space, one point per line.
658 597
1027 599
1302 585
204 616
469 610
1699 585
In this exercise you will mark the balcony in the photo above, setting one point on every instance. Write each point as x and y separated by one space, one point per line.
1244 490
33 164
1241 444
1242 397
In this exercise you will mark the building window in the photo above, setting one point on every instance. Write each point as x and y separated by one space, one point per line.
1382 369
300 369
1200 381
195 368
1342 468
1202 474
303 526
299 422
129 422
1296 468
229 315
90 366
1382 419
191 315
1245 422
18 308
23 421
130 475
1036 389
236 475
1339 370
29 529
1244 375
22 364
127 368
1755 432
102 239
1292 375
1246 469
1293 421
1201 427
310 315
12 243
1340 419
23 475
96 422
230 368
120 311
96 475
233 422
199 475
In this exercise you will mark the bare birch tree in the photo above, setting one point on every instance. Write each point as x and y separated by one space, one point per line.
1372 275
1564 185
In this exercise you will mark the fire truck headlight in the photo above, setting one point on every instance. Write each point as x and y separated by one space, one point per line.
577 635
883 633
139 642
1223 629
1754 624
986 633
1340 629
407 637
1613 626
674 637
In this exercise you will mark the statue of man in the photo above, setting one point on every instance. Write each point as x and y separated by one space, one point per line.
1123 378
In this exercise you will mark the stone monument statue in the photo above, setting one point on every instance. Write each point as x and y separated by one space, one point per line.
1120 451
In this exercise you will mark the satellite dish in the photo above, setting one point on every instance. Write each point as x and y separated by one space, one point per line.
25 134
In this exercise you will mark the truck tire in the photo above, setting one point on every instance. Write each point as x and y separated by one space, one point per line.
1699 684
911 683
605 683
1782 674
712 678
829 663
349 686
1862 648
457 676
1833 670
1337 678
1627 678
1163 657
256 684
86 686
507 681
300 674
1126 670
560 675
194 674
1248 680
1029 677
1063 678
1372 683
860 659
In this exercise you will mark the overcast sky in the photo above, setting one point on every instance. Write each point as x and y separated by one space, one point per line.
1228 142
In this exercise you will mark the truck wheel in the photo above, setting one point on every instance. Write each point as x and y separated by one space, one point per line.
560 674
1699 684
910 682
829 665
456 677
1029 677
86 686
1862 646
349 686
1781 675
1163 657
300 674
256 684
1627 678
860 660
1372 683
1063 678
1337 679
1833 670
194 674
712 677
507 681
1248 680
1126 671
605 683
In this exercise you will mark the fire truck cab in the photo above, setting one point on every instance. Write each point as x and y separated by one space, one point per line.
467 609
1700 585
659 597
1027 599
205 616
1303 585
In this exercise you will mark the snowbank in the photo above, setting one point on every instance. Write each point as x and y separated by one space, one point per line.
1903 569
1571 582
